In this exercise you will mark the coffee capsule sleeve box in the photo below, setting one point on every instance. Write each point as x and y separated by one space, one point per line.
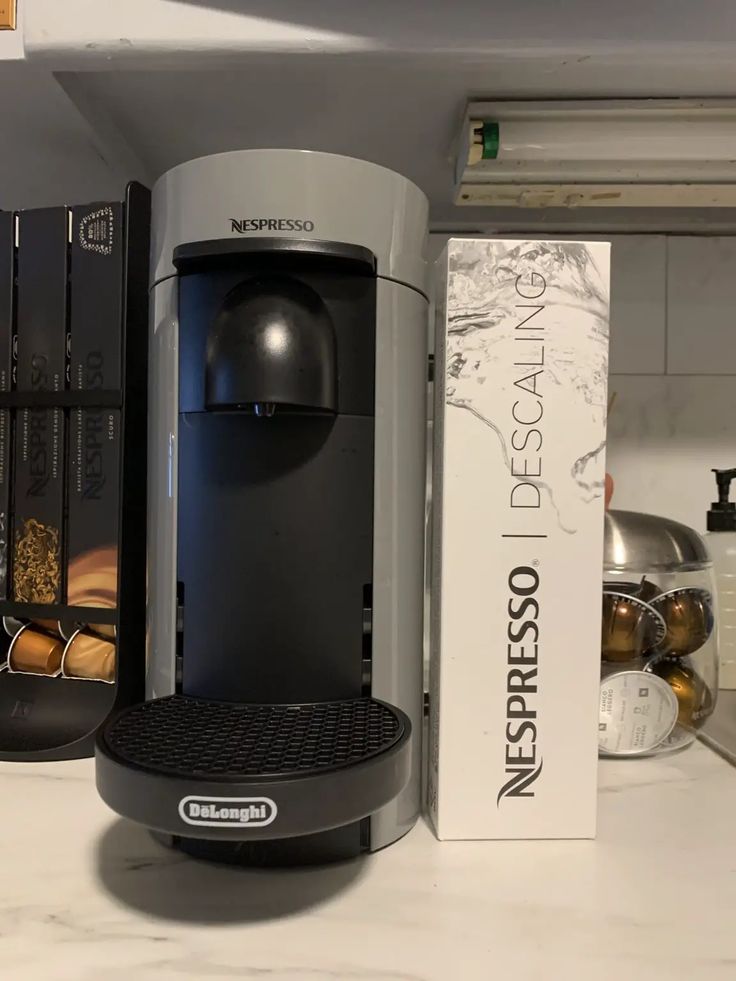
95 435
517 539
38 544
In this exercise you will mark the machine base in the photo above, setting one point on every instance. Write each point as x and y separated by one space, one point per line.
225 771
325 847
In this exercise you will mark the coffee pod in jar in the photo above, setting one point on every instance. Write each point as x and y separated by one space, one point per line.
688 616
643 589
612 667
34 652
679 738
630 627
637 712
694 698
627 588
648 590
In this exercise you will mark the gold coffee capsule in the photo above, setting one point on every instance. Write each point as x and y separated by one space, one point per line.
630 627
694 698
34 652
88 656
50 626
103 629
688 616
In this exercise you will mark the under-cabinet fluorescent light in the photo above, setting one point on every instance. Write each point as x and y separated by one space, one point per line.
645 153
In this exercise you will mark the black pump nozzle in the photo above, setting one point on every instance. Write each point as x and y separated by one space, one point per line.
722 514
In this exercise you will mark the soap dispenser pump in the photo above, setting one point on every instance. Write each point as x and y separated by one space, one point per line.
722 514
722 546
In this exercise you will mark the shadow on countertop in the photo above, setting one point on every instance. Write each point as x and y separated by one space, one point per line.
139 872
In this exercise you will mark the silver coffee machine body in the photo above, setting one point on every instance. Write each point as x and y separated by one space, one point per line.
286 512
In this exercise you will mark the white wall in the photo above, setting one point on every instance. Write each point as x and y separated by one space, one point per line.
51 155
673 368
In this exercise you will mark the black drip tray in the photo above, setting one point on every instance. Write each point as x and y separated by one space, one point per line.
224 770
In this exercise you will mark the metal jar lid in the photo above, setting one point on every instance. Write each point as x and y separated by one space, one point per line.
639 542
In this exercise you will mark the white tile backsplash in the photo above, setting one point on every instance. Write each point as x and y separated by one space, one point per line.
701 305
638 284
664 435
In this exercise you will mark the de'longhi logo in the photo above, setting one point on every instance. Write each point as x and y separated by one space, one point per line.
228 812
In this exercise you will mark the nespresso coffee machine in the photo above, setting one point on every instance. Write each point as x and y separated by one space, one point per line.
286 513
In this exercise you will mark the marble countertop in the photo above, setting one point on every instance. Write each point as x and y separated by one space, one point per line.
720 729
87 897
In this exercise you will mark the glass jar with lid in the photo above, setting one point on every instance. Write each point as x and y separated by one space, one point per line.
659 653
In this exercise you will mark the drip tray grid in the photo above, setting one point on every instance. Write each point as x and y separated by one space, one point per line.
214 769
